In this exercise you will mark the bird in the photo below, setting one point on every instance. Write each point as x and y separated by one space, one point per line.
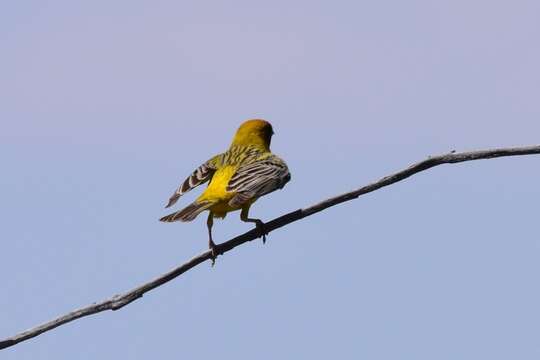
236 179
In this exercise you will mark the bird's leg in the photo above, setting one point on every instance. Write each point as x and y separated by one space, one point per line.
244 216
211 244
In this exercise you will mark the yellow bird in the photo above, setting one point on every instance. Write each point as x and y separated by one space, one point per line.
237 178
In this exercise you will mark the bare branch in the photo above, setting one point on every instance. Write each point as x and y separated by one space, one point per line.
119 301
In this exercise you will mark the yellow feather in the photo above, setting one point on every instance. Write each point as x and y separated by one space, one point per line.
254 132
216 192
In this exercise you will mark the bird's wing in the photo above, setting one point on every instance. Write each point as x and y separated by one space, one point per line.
201 175
257 179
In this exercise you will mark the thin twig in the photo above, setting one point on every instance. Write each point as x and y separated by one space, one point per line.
119 301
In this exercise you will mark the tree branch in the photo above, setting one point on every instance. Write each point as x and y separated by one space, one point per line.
119 301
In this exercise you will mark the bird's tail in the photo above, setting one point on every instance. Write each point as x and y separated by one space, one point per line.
188 213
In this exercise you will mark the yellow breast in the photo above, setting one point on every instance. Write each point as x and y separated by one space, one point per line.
217 193
217 188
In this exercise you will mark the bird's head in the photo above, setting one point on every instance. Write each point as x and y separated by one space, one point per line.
254 132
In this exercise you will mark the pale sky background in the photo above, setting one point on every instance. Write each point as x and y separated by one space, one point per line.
107 105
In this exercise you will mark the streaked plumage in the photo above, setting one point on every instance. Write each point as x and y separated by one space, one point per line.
237 178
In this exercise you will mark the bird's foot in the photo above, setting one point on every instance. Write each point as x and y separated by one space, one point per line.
261 228
213 252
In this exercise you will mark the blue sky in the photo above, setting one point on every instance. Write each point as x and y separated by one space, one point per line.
108 105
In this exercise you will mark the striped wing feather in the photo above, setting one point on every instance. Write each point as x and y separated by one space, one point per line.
257 179
201 175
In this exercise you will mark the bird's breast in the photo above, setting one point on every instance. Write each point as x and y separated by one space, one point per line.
217 188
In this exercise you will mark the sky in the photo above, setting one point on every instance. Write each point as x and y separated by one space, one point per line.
106 106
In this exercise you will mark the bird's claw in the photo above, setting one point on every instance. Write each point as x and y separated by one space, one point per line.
261 228
213 253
